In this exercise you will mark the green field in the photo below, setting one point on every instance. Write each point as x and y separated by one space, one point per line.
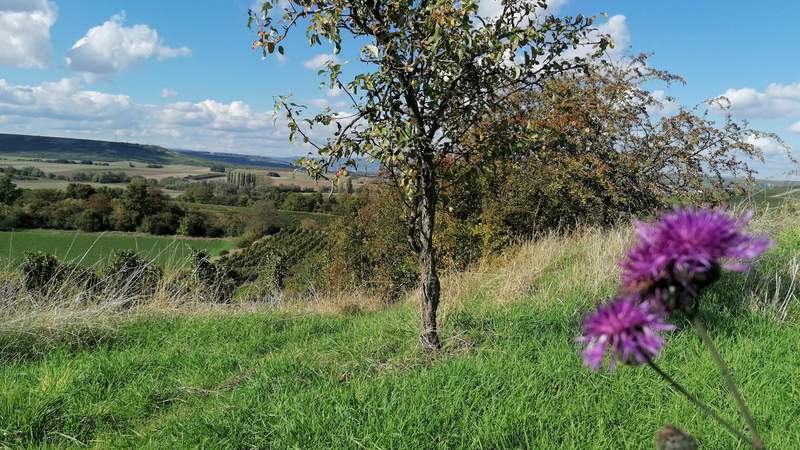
92 248
285 218
772 195
509 376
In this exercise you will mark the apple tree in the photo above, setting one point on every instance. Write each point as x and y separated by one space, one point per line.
430 71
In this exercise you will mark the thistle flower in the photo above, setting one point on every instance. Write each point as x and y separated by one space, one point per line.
627 328
686 244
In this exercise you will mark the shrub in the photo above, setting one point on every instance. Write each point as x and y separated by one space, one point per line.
13 217
215 283
39 271
90 221
80 191
192 224
128 275
271 276
8 190
369 248
162 223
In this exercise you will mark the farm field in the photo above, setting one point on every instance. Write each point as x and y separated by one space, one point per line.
285 218
94 248
140 169
772 195
303 180
285 177
509 375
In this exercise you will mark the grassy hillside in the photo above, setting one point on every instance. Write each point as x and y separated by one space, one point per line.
48 147
81 149
93 248
237 160
305 376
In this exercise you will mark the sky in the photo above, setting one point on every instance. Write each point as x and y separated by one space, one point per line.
182 74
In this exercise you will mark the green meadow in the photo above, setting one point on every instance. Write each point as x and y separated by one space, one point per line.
509 375
93 248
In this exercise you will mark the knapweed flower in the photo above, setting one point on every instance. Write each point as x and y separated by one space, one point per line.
628 329
687 242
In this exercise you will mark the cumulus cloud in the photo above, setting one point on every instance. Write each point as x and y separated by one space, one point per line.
795 127
616 27
777 101
491 9
112 47
25 33
62 99
319 102
767 145
67 108
667 104
319 61
233 116
168 93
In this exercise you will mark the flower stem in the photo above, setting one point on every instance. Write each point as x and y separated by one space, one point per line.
698 403
729 382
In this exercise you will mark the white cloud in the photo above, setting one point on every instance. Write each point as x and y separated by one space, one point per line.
62 99
491 9
795 127
789 91
777 101
667 104
66 108
617 28
319 61
25 33
767 145
112 47
335 92
168 93
319 102
234 116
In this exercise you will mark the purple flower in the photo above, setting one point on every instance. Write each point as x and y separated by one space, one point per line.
628 328
687 242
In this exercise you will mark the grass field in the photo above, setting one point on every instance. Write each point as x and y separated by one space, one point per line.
772 195
93 248
508 377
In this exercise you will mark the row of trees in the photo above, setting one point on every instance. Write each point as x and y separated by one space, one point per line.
290 198
139 207
30 172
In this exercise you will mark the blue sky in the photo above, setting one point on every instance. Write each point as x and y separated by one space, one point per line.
181 73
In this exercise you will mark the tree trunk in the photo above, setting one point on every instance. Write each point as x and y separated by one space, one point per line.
429 275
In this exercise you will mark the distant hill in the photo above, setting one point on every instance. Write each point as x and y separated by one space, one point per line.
47 147
236 159
77 149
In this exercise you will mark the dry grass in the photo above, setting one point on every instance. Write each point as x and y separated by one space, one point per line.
549 270
544 270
